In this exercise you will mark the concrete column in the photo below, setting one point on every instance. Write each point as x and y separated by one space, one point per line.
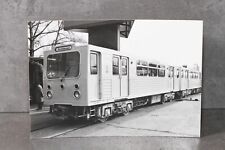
107 36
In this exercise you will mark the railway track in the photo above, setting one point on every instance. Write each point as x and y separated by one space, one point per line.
58 129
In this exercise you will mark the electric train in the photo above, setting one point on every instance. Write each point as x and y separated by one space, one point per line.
96 82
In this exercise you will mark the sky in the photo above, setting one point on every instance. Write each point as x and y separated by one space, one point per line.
172 42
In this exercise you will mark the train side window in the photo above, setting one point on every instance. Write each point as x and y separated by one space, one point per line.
139 71
115 65
172 72
161 73
124 66
186 74
152 72
178 73
142 71
145 71
182 73
94 67
169 72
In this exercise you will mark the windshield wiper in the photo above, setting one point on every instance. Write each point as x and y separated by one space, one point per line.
66 72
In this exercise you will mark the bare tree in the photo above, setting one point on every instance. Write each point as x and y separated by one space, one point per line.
39 29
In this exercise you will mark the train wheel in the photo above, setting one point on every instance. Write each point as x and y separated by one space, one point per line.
127 109
125 112
103 119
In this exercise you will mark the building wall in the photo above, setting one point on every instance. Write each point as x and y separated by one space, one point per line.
14 15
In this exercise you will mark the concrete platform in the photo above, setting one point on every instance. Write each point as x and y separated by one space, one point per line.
177 118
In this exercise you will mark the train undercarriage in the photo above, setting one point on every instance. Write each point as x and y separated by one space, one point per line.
124 106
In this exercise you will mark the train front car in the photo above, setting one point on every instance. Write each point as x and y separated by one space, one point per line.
64 79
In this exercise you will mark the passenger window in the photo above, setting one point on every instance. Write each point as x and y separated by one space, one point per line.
124 66
94 68
115 65
142 71
161 73
152 72
139 71
145 71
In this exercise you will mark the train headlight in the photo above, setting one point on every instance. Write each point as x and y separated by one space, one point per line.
76 94
49 94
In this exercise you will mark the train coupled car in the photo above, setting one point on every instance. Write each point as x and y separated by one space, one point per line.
95 83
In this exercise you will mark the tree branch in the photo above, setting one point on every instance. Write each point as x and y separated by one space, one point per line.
36 28
44 29
43 46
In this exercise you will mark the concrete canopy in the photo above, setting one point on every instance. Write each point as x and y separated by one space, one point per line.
105 33
124 25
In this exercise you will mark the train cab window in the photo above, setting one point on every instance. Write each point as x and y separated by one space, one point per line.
93 63
124 66
115 65
63 65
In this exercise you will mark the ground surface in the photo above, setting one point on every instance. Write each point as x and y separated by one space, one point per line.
176 118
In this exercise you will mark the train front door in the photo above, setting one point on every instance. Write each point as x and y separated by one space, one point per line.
120 77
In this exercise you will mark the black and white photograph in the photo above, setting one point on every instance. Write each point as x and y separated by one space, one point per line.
112 75
97 78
